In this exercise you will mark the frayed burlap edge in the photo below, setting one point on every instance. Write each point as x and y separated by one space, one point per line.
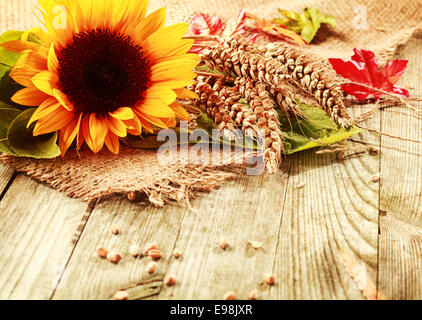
91 177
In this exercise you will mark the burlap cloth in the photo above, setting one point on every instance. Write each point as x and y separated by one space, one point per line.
388 25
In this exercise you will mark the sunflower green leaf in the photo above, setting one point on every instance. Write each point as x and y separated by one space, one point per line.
150 142
8 87
7 115
22 142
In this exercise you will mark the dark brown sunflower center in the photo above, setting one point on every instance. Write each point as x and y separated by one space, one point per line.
101 71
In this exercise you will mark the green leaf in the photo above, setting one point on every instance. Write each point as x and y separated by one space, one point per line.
206 123
137 142
9 58
307 24
308 32
7 115
8 87
213 71
207 69
318 18
24 144
290 15
314 130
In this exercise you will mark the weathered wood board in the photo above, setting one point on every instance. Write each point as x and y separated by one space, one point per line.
49 241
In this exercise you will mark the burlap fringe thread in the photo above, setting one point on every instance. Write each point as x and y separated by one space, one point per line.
90 177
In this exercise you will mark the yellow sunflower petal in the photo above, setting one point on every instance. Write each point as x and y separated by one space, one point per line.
84 134
179 111
133 126
98 130
40 33
170 122
45 109
156 121
156 102
112 142
63 99
53 62
53 122
58 18
150 24
46 82
122 114
126 14
117 126
183 93
19 46
68 134
160 92
175 69
167 41
31 97
34 59
145 124
157 110
24 76
28 65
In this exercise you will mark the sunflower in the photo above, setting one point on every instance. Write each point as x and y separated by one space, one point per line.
111 72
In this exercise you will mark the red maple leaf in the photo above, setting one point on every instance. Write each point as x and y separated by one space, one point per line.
205 25
363 68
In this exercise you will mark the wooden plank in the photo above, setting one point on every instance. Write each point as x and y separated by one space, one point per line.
37 225
248 210
6 174
89 277
220 214
336 212
400 262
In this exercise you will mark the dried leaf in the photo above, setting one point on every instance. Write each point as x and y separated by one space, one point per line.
306 24
203 24
236 26
363 68
268 25
358 273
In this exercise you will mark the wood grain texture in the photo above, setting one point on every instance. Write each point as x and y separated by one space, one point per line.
248 210
6 174
337 210
238 211
400 256
89 277
37 225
